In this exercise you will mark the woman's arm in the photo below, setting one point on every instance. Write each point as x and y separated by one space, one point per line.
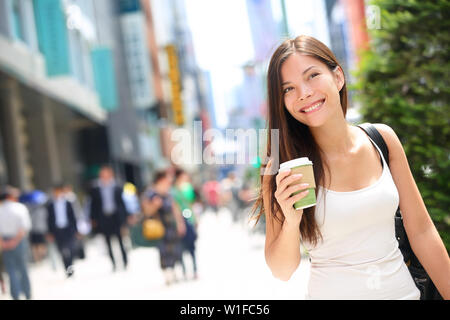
282 245
422 234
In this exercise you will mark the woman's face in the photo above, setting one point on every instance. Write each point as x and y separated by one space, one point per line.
165 183
311 90
183 178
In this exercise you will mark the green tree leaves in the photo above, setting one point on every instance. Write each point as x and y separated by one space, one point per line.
404 81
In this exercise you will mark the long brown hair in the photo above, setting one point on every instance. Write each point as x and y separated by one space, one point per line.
295 137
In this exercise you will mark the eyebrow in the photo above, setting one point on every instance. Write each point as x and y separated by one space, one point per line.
306 70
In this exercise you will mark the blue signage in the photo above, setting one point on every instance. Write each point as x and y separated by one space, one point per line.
128 6
104 76
52 35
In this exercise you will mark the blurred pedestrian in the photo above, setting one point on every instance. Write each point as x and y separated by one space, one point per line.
131 200
71 196
211 190
2 268
108 212
14 227
184 195
62 226
132 206
36 203
198 205
83 227
157 202
230 187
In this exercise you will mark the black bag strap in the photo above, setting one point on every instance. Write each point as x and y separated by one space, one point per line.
373 133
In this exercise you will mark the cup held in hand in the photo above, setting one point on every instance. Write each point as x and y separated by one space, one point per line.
305 167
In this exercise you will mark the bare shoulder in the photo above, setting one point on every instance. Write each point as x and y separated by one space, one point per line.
386 131
390 137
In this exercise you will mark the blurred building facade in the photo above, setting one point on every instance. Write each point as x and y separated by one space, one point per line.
133 137
52 121
78 89
185 90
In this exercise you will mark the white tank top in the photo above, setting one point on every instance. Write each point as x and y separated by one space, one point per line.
359 256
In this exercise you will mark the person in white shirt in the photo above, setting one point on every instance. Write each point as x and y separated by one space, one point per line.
15 224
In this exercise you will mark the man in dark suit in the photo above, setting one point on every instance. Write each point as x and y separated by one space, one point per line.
62 226
108 211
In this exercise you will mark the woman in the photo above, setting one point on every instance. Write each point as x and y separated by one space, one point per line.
158 202
351 237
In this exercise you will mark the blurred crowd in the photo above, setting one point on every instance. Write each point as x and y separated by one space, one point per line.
36 226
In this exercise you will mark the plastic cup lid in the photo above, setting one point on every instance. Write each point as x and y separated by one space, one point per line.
295 163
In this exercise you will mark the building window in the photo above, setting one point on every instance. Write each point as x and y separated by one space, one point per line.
17 21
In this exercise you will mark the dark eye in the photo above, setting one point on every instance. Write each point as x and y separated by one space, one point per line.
286 90
314 75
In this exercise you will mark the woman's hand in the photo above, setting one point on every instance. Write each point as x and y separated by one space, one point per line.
151 206
285 197
181 229
282 246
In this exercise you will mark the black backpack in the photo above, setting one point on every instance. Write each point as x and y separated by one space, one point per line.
423 282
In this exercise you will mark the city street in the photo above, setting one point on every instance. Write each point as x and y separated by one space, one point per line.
116 110
230 258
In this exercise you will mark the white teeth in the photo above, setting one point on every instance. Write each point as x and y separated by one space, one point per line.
313 107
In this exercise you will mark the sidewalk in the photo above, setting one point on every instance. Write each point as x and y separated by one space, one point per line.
230 259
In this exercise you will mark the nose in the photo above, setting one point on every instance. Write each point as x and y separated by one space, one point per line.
304 92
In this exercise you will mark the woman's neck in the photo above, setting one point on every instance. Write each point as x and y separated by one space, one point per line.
335 138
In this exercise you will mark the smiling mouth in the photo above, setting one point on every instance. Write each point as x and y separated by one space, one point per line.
313 107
